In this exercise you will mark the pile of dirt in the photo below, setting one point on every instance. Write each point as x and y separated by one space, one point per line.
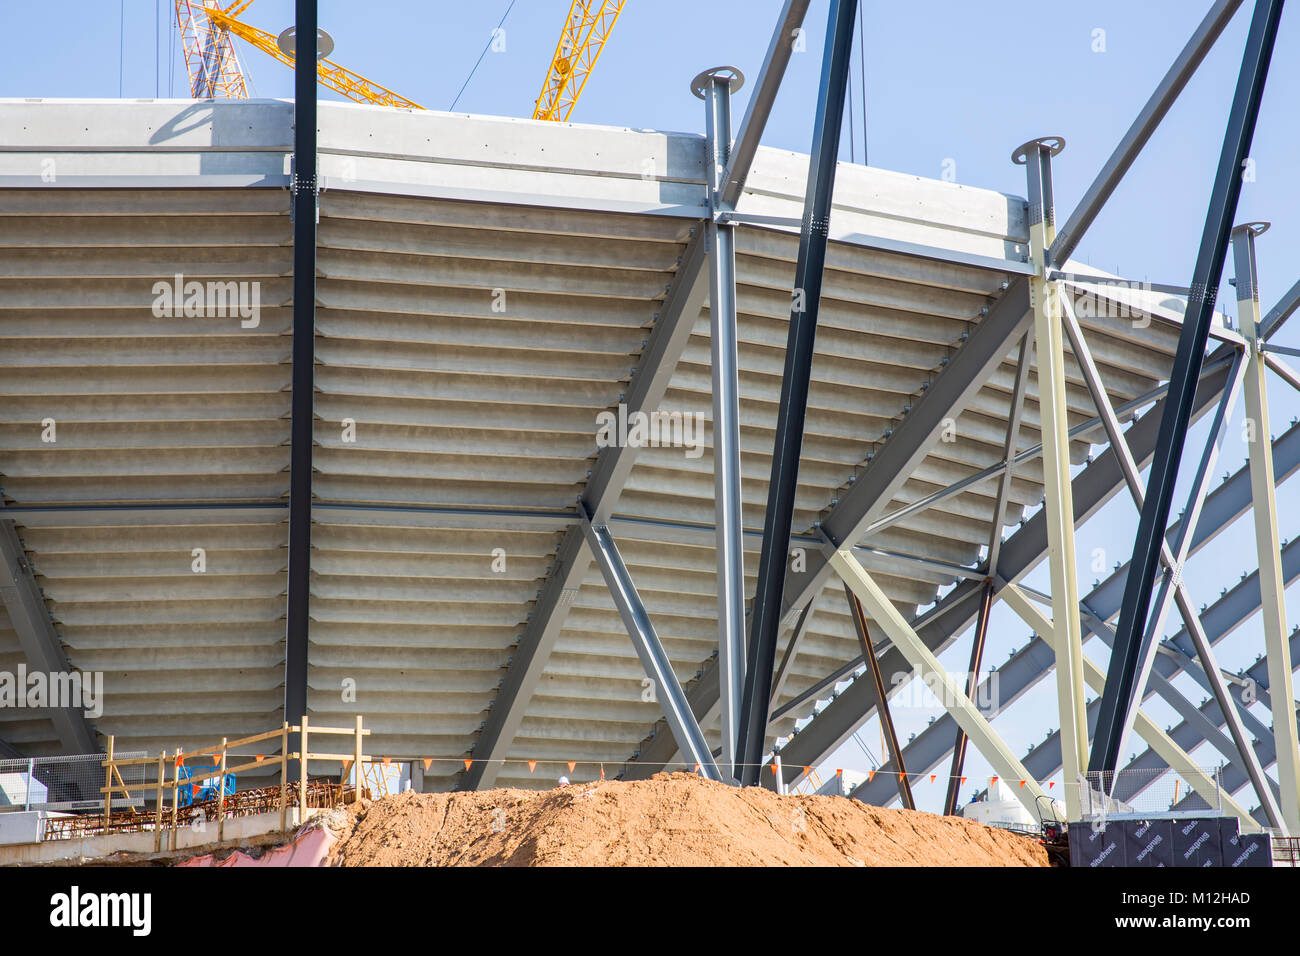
670 820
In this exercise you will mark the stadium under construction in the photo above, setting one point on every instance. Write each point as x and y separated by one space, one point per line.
617 451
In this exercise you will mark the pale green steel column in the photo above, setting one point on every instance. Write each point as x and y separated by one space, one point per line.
1272 585
963 710
1058 508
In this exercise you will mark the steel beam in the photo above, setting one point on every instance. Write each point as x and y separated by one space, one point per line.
1159 741
1173 587
1280 312
654 659
972 685
1226 614
667 342
1173 558
649 383
800 344
970 368
1058 501
728 520
1136 138
1017 410
1161 685
955 701
1121 674
1093 487
791 652
1267 544
37 638
788 23
882 697
302 400
1233 777
1082 430
1034 661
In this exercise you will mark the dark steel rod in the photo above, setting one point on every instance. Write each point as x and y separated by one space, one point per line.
766 621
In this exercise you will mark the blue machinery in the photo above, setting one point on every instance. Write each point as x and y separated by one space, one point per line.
208 786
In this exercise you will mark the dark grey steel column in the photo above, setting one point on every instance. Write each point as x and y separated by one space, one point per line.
303 378
769 594
1121 673
717 86
972 688
882 697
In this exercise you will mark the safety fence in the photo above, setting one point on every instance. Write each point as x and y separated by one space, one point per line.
68 782
198 788
1153 792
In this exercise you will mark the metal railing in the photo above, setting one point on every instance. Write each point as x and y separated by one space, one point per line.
1286 851
1156 792
65 783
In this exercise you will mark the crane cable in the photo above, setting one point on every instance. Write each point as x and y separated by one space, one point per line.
486 46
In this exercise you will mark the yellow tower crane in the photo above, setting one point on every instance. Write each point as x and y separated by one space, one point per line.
207 27
581 42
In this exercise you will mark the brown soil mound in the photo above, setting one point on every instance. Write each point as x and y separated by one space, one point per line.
670 820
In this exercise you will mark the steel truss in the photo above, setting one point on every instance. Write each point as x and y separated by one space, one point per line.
1137 662
667 342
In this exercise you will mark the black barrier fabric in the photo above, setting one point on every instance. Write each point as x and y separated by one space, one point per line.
1248 850
1197 842
1149 843
1095 847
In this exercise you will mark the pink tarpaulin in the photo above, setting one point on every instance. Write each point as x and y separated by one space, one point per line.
309 849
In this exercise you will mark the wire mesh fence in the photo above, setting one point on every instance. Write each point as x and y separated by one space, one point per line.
67 782
1158 792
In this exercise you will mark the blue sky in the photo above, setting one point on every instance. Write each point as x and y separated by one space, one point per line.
944 80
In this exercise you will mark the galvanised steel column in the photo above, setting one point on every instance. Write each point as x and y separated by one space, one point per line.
769 593
1272 584
654 659
303 378
1121 673
716 87
1058 508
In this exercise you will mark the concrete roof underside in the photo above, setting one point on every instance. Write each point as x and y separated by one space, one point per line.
485 289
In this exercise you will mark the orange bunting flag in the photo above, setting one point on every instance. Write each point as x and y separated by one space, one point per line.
467 763
932 776
963 779
993 780
194 789
839 773
697 768
572 764
1051 785
807 769
532 765
429 760
387 761
180 760
602 771
261 757
870 775
1022 783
